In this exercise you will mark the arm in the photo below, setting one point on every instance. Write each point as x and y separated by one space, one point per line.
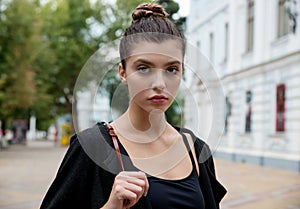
80 183
73 186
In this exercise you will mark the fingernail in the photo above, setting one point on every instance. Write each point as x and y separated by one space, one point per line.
145 194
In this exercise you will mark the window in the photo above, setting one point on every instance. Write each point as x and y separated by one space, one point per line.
198 49
280 108
250 25
227 112
198 45
211 47
283 19
248 112
226 44
292 12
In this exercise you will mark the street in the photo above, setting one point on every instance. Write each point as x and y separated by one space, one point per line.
26 172
256 187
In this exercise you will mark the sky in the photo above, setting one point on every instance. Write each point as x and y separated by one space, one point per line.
184 6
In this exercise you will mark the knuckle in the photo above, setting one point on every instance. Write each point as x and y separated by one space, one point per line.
118 189
139 189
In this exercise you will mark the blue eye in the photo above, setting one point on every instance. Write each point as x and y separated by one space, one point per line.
173 70
144 69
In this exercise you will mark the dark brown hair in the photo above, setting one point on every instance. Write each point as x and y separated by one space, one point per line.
149 23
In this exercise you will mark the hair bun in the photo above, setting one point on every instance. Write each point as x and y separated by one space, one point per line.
147 10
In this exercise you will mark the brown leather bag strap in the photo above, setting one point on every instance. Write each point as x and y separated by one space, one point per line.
115 142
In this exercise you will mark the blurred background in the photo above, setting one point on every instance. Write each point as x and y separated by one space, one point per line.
44 46
252 45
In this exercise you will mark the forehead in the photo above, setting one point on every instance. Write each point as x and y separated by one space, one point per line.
168 48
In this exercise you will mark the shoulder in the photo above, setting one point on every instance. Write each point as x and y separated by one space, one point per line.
92 133
198 142
97 144
81 181
202 149
89 147
90 139
85 142
207 170
93 139
196 139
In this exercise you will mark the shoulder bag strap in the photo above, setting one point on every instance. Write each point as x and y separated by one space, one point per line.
115 142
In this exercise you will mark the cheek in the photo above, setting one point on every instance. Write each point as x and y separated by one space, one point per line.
173 86
137 85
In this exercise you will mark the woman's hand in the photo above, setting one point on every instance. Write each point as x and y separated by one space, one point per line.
128 188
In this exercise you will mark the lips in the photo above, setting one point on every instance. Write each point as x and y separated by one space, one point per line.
158 99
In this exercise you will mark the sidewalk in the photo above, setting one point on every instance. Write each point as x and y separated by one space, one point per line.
256 187
27 171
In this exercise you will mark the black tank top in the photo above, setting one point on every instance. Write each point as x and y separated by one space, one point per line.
177 194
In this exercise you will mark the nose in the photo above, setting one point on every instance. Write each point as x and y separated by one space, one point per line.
158 82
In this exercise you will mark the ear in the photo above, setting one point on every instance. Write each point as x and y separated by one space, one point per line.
122 73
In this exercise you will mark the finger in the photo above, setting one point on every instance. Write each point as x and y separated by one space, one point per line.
125 183
129 199
132 180
133 188
127 203
137 178
137 174
146 188
140 180
145 179
124 193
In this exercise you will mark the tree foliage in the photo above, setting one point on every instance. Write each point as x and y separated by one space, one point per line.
44 46
20 43
172 8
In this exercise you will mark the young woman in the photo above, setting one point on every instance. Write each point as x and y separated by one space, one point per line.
139 160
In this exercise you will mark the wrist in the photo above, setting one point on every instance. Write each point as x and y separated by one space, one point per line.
109 205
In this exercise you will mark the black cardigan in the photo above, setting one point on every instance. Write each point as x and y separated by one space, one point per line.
83 182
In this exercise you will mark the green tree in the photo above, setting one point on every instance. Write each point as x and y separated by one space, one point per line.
43 47
68 32
20 43
172 8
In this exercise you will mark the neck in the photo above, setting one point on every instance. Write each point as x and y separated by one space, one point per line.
145 121
141 126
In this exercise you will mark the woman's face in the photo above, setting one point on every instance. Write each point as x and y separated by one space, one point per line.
153 74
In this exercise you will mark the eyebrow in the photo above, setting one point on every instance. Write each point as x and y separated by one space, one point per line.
144 61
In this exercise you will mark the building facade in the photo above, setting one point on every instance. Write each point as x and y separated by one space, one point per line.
254 48
92 108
